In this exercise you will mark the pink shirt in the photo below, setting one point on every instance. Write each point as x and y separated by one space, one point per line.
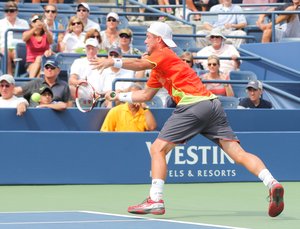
36 48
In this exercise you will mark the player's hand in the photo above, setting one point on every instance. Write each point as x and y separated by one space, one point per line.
101 63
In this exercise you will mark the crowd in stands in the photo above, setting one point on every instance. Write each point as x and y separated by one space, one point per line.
84 36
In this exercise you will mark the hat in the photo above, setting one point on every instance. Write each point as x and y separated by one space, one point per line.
92 41
116 50
53 63
256 84
8 78
35 17
114 15
10 6
164 31
85 5
126 31
44 89
216 32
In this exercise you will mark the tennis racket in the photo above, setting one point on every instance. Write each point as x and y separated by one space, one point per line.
87 98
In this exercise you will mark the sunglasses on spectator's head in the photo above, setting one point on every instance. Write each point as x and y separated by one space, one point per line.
212 64
49 67
81 10
10 10
76 23
113 54
124 35
52 11
112 19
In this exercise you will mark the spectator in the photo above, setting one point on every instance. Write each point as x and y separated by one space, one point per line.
83 12
60 88
8 99
220 49
129 117
229 24
110 36
287 25
165 10
50 14
188 58
82 71
73 41
46 100
38 40
125 43
205 6
215 74
140 18
254 100
50 1
94 33
11 21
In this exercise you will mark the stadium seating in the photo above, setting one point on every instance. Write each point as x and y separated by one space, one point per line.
20 61
229 102
239 89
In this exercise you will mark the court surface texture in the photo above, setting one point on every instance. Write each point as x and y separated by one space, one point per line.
188 206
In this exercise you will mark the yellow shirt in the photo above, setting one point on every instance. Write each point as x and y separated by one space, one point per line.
120 118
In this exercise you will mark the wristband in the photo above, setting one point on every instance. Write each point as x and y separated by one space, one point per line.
125 97
117 62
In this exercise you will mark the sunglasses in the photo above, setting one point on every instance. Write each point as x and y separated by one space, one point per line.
94 37
10 11
187 61
114 54
123 35
212 37
76 23
112 19
52 11
5 85
49 67
212 64
81 10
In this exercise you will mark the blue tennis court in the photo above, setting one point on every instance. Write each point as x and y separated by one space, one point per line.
91 220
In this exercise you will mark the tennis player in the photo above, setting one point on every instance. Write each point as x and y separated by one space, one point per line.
198 111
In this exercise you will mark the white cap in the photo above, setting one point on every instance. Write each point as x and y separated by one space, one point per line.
114 15
8 78
164 31
85 5
216 32
93 42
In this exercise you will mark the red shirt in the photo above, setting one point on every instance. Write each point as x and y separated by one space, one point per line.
179 79
36 48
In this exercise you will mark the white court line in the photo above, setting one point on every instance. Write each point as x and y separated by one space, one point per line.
166 220
104 213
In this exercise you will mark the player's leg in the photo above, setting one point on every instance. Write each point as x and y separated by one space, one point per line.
255 165
154 204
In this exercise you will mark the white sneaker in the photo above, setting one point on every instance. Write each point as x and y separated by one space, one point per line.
133 18
140 18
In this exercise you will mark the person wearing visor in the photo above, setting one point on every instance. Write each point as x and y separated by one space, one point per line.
191 97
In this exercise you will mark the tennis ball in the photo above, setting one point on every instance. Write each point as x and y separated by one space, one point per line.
36 97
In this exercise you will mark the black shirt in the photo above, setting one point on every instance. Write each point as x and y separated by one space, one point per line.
246 102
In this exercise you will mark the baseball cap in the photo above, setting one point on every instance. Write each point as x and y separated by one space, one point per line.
126 31
8 78
216 32
164 31
44 89
35 17
116 50
114 15
84 4
53 63
256 84
92 41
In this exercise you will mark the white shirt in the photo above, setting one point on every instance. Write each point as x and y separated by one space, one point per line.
13 102
228 18
108 76
225 51
83 69
73 42
12 39
91 25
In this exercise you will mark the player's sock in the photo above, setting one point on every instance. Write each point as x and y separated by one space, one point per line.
156 191
267 178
